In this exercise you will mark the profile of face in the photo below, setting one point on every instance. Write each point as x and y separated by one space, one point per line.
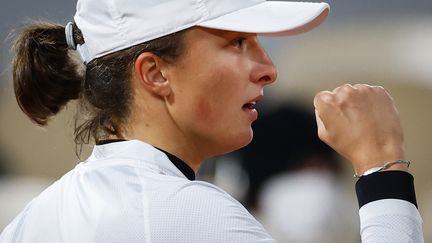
215 85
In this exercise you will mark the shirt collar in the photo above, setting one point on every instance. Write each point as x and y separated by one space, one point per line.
181 165
143 152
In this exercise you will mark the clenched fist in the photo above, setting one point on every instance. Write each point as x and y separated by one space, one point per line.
362 124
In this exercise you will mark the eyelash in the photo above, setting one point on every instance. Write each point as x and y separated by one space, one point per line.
239 42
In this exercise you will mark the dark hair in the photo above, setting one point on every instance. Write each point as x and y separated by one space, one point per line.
47 75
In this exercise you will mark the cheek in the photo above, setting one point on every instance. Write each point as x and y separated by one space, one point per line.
221 122
203 110
217 99
208 108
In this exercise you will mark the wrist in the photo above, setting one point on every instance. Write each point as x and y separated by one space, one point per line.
371 160
401 167
397 165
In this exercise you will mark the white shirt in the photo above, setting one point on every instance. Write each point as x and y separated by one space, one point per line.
390 220
131 192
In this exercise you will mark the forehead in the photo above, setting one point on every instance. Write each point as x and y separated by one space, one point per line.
202 33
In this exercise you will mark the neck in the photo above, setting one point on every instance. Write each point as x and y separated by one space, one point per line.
155 126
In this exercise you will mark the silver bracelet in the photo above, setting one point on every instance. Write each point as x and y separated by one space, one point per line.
383 167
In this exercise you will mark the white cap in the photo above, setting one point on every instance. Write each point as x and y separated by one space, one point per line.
112 25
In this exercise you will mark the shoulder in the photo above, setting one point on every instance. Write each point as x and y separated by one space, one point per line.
202 212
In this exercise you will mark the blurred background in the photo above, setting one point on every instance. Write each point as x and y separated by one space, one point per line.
302 197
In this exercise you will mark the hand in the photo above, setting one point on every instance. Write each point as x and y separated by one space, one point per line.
362 124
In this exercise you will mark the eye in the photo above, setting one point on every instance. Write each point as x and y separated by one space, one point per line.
239 42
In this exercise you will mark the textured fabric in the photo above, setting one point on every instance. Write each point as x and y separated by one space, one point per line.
130 192
390 221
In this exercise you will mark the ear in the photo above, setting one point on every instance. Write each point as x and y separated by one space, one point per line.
148 69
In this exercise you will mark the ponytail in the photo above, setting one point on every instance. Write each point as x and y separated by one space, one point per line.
46 73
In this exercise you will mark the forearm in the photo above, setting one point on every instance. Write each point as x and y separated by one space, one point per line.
388 208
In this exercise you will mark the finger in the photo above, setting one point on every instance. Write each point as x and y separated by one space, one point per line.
345 87
363 86
323 98
324 105
321 127
328 110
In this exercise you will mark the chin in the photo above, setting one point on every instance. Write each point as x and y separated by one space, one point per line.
238 141
229 142
248 139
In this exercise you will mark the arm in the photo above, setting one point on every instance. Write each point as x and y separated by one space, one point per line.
362 124
388 208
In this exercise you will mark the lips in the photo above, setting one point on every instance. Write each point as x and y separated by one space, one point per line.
249 108
252 103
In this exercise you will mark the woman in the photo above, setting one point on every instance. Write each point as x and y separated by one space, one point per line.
164 85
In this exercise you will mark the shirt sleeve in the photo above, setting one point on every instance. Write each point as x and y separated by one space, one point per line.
201 212
388 208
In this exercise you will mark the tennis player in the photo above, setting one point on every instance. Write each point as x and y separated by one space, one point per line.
166 84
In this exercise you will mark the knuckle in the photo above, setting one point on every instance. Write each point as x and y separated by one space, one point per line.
358 86
324 96
343 88
347 87
379 89
362 86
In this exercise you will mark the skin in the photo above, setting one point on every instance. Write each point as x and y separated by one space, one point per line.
194 108
362 124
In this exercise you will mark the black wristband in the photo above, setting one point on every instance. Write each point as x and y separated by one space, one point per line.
386 185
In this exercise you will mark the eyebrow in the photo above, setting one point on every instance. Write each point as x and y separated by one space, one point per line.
228 34
234 34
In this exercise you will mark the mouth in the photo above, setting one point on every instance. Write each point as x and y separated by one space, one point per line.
250 105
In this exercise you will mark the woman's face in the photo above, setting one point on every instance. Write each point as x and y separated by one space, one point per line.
214 86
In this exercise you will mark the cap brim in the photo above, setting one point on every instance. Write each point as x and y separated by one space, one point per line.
273 18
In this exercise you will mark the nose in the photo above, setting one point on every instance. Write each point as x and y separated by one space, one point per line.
264 71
